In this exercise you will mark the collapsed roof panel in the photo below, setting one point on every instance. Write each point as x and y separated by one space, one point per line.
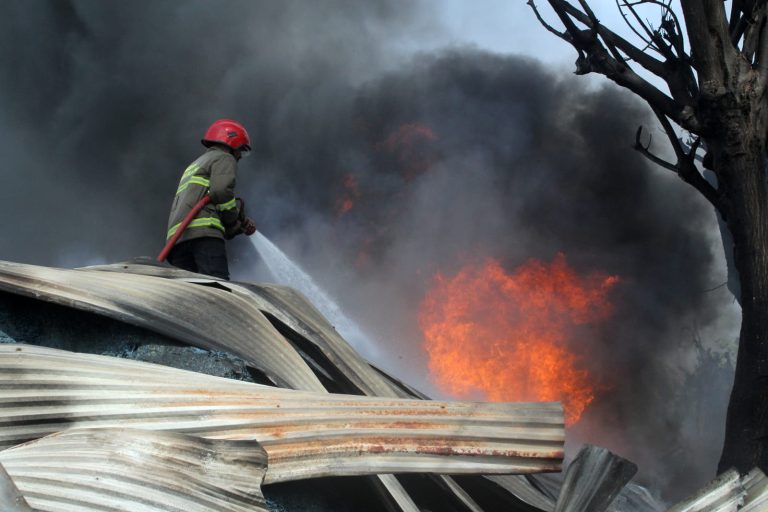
290 308
138 470
756 485
302 324
458 491
729 492
293 309
305 434
593 480
394 490
201 316
149 267
723 494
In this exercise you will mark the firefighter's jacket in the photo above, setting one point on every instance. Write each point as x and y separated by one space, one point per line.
214 173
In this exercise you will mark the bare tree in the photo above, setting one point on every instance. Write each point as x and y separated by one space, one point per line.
716 91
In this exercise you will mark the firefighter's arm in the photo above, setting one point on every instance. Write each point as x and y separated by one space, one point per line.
222 192
247 225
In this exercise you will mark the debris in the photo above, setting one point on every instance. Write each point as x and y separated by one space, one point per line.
756 485
126 469
200 316
593 480
723 494
306 435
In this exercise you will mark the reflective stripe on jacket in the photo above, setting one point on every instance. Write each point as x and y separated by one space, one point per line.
215 174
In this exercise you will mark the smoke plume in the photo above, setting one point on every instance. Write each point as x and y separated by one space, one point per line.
375 169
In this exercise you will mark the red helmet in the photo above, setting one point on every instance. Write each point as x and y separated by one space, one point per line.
228 132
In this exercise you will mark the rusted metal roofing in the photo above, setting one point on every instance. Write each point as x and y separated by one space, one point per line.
293 310
290 309
593 480
296 312
137 470
282 362
723 494
201 316
306 435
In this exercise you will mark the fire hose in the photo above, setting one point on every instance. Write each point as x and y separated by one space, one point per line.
182 226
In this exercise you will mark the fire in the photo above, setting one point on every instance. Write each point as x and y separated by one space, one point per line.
410 145
509 336
350 195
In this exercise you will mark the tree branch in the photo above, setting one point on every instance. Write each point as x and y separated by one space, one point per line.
761 55
713 53
657 42
546 25
752 31
600 49
734 20
594 57
685 167
738 22
645 151
655 66
648 42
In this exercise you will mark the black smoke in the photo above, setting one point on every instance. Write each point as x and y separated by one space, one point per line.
442 159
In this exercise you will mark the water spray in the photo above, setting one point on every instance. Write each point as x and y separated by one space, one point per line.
288 273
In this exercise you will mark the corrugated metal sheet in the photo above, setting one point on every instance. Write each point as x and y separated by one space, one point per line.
138 470
593 480
756 485
149 267
201 316
144 268
11 499
293 310
459 492
724 494
305 434
522 488
289 307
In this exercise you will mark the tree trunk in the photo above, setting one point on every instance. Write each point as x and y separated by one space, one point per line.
738 158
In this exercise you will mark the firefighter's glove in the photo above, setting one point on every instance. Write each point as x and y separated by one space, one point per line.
248 226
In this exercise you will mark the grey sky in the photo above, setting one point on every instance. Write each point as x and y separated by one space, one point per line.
510 27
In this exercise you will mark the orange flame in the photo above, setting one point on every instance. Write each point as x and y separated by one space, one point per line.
349 196
508 335
410 145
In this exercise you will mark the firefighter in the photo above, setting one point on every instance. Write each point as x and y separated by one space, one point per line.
201 247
